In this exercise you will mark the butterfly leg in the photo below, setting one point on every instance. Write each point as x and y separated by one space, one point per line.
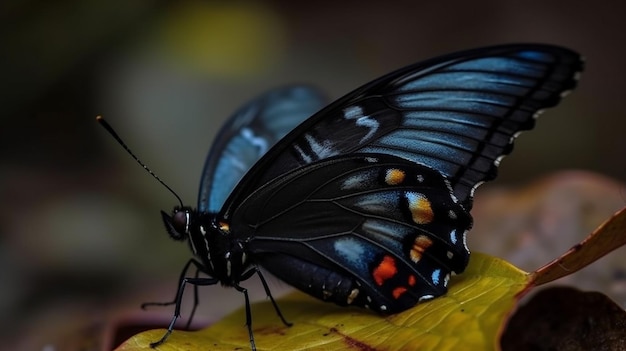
183 274
196 301
244 291
245 276
269 294
179 296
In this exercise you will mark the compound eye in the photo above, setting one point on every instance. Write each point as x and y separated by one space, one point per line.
178 224
180 221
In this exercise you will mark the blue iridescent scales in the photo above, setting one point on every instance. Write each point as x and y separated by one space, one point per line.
366 202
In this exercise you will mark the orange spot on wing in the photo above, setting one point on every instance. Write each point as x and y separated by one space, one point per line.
421 209
386 269
394 176
420 244
397 292
412 280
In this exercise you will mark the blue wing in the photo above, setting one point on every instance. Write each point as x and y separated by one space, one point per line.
248 135
457 114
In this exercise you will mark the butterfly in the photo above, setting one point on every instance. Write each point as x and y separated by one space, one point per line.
365 202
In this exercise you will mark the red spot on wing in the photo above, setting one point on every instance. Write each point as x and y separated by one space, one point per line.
397 292
386 269
412 280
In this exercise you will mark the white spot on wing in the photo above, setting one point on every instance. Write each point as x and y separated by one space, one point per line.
306 158
356 181
465 240
475 187
350 249
425 298
356 113
319 150
449 186
452 214
259 142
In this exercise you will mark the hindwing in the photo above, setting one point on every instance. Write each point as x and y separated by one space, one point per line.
380 224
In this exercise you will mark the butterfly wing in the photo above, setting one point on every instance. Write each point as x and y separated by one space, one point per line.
370 230
367 202
457 114
248 135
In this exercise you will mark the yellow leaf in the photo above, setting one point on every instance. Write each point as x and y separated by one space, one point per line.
468 317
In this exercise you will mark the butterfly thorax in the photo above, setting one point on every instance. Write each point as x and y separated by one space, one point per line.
226 255
222 256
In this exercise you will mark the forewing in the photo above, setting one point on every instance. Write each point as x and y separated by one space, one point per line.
388 225
248 135
457 114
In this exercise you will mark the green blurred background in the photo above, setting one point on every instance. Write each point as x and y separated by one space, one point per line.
80 232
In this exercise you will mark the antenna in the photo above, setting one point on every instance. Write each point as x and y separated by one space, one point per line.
111 131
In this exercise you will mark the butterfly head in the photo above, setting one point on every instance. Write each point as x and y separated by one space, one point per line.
185 223
178 225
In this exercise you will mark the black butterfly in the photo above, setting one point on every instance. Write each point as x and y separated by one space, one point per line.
366 202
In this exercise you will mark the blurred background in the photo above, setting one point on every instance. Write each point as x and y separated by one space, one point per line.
81 239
